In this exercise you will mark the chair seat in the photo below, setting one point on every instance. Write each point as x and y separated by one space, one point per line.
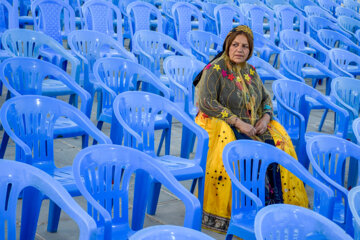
339 212
354 70
119 232
64 127
66 178
265 75
308 50
181 168
53 87
311 72
309 135
244 220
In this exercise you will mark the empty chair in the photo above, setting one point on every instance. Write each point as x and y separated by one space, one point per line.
153 47
265 70
301 4
354 200
143 16
8 19
290 18
328 157
283 221
30 122
184 14
246 162
139 133
264 48
298 66
226 16
344 63
319 12
114 166
294 103
276 3
204 45
333 39
343 11
317 23
328 5
169 26
301 42
208 15
117 75
349 25
104 17
345 92
31 184
353 5
168 232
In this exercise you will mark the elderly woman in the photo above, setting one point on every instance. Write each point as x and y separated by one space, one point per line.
234 104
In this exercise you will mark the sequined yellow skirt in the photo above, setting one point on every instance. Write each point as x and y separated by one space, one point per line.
217 191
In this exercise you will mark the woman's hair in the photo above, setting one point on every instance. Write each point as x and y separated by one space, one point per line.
239 30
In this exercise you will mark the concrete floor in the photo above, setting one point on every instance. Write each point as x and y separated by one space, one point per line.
170 209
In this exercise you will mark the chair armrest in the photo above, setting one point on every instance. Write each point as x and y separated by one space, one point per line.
345 105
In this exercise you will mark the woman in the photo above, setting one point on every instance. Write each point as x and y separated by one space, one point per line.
234 104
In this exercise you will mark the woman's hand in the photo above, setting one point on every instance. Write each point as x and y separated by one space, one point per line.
245 128
261 125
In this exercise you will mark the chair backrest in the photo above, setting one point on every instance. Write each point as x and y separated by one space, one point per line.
26 76
204 45
329 6
301 4
341 61
276 3
298 41
103 16
283 221
8 16
343 11
246 162
226 16
317 23
346 93
54 18
256 16
16 178
184 14
29 120
28 43
333 39
319 12
113 166
353 5
136 112
167 232
141 16
290 18
181 71
356 129
354 200
263 67
154 46
348 24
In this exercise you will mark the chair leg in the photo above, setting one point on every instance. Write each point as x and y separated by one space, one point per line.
84 140
99 126
323 119
142 182
165 135
229 236
153 197
4 143
54 217
186 140
31 205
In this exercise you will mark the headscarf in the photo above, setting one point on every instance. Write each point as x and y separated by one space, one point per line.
241 29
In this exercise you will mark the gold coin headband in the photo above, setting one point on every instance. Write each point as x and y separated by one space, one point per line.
242 28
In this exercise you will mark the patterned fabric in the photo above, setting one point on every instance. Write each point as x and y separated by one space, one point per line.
226 91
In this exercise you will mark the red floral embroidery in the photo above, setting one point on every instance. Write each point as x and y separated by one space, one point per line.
239 86
205 115
231 77
223 72
208 66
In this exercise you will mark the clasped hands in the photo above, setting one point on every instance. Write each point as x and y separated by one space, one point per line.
249 130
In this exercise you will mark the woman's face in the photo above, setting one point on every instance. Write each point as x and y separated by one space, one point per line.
239 49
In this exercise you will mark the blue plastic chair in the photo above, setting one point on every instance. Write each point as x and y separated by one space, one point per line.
328 6
227 17
353 5
169 232
298 41
143 16
294 103
204 45
184 15
181 71
345 92
169 26
283 221
139 133
116 75
298 66
272 4
318 12
208 15
265 70
22 180
344 63
317 23
103 16
8 19
332 39
153 47
354 200
343 11
356 129
301 4
288 17
28 43
54 18
29 76
113 166
30 122
266 49
248 182
349 25
89 46
328 156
